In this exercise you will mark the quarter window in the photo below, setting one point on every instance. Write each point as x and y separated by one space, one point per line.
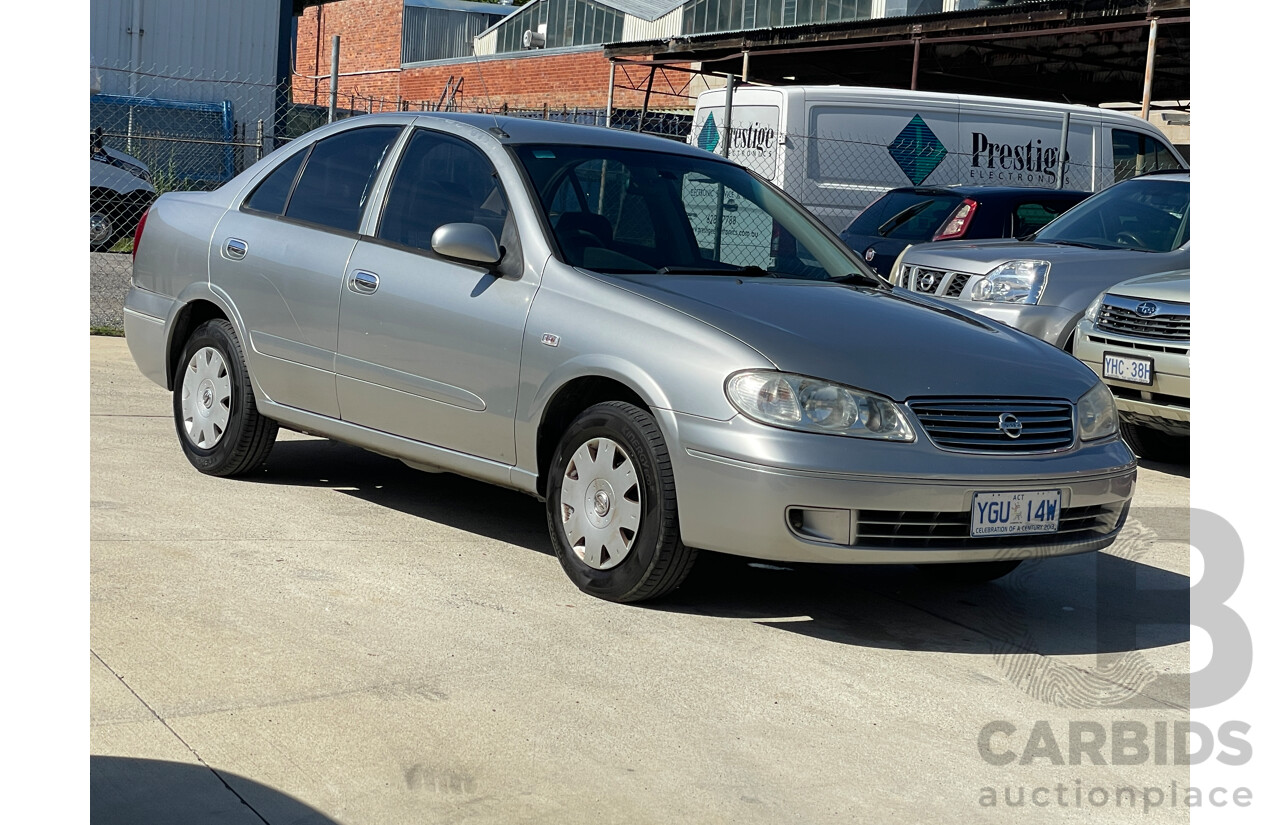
338 177
441 179
273 193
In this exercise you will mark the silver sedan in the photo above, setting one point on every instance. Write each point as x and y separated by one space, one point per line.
663 347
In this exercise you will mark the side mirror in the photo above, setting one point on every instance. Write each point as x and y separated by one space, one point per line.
468 242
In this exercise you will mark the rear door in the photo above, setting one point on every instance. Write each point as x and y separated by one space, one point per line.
282 256
429 348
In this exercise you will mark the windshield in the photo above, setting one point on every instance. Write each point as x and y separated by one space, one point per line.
1147 214
636 211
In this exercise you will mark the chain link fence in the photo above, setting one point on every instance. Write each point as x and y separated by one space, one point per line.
183 134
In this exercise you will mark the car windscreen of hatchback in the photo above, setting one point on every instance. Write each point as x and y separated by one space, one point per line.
1147 214
623 210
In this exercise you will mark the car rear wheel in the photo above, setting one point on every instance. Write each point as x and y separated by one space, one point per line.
1156 445
611 506
219 426
104 225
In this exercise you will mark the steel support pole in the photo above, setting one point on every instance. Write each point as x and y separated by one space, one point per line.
333 79
915 62
728 114
746 66
644 110
1149 78
608 106
1062 150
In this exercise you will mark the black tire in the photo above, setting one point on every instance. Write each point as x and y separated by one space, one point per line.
1156 445
657 562
246 439
973 572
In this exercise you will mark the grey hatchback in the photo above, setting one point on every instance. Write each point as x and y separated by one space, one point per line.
588 316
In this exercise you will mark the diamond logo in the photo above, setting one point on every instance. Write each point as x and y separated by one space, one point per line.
917 150
709 137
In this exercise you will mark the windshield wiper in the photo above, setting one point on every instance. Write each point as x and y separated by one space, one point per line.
862 278
1080 244
902 217
751 271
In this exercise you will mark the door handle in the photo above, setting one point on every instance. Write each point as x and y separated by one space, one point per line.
236 249
366 283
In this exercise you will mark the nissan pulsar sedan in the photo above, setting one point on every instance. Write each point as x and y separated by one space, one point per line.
588 316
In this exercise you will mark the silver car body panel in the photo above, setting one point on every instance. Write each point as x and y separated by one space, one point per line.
453 367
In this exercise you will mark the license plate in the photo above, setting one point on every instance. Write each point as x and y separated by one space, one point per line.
1010 514
1127 368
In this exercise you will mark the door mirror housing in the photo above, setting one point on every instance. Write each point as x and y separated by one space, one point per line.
468 242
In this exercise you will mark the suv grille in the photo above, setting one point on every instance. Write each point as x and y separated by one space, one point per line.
895 528
974 425
937 282
1168 322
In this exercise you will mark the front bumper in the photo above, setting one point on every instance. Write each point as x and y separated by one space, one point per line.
1163 405
762 492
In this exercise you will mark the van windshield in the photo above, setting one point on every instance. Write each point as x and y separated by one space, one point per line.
638 211
1149 214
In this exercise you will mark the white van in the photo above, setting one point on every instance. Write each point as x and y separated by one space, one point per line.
838 148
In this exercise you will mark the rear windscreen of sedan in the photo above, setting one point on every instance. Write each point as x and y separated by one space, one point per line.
907 216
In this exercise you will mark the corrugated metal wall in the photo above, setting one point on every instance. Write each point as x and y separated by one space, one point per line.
668 25
435 34
190 50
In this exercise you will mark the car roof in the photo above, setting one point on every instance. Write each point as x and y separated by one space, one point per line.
520 130
968 190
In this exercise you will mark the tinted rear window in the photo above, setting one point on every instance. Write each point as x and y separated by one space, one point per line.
335 182
908 216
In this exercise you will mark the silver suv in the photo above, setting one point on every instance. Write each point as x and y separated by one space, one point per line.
1043 285
1137 336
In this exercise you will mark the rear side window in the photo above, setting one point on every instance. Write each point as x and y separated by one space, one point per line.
273 193
441 179
1030 217
339 173
1137 154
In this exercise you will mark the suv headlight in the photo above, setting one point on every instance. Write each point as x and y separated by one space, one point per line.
1096 413
1091 312
1012 282
796 402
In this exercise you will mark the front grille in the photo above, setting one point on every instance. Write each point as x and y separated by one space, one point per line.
897 528
937 281
1175 348
1171 322
974 425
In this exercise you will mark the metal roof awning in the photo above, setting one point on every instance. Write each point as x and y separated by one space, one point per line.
1078 51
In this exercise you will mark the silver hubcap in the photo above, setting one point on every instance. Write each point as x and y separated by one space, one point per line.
99 227
206 398
600 503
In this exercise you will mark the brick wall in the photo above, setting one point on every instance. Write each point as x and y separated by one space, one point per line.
370 32
370 67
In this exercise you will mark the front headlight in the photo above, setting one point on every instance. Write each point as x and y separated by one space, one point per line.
796 402
1091 312
1096 413
1012 282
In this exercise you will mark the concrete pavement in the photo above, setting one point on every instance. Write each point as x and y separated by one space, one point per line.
343 639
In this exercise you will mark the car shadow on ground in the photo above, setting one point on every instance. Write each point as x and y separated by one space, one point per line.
1094 604
124 791
1181 469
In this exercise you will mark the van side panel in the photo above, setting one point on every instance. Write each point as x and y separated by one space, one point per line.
1018 147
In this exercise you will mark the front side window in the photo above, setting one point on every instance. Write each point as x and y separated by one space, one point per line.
1134 154
338 176
638 211
441 179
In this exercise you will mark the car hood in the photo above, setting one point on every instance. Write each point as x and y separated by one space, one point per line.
1172 286
979 257
894 343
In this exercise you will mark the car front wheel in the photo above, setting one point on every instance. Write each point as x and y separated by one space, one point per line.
1156 445
219 426
104 225
611 506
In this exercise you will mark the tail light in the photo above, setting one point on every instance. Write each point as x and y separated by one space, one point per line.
137 233
958 223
